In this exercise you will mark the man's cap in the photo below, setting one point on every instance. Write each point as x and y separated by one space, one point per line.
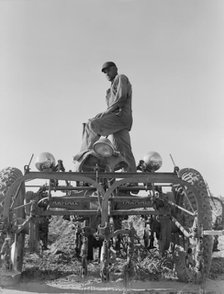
107 65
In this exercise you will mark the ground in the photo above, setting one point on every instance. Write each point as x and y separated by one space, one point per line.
57 270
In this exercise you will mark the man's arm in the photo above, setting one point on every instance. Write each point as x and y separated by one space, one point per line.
120 90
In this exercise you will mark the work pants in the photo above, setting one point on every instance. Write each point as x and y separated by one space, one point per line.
105 125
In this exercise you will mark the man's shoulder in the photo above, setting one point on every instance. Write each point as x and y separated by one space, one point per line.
122 77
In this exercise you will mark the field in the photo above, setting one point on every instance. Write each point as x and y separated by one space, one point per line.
57 270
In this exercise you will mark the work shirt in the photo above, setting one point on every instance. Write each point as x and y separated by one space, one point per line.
119 99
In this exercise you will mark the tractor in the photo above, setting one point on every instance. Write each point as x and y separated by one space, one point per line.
100 195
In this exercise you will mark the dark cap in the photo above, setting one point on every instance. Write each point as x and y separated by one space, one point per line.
107 65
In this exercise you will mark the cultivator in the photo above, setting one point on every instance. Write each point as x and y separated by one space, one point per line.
176 203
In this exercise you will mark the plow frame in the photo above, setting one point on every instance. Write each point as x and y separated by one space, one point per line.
106 196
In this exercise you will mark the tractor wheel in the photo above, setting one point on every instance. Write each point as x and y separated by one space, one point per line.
8 176
193 264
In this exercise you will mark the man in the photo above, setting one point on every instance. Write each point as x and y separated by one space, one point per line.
116 120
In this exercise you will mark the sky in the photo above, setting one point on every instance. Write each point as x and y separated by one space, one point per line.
51 82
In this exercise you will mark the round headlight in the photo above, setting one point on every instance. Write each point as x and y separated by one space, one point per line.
45 161
103 147
152 160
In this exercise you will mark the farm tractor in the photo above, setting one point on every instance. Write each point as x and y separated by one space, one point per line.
101 195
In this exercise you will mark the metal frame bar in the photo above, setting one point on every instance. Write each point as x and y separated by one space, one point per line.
104 196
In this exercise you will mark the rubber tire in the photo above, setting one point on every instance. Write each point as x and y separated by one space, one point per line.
7 177
202 204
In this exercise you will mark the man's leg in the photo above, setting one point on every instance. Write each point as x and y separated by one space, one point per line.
103 125
122 143
89 136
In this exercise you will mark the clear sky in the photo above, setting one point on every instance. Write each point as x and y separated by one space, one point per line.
51 54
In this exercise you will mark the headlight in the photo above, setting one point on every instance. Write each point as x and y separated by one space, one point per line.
103 147
45 161
152 160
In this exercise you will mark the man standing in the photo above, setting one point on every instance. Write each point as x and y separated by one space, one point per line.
116 120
